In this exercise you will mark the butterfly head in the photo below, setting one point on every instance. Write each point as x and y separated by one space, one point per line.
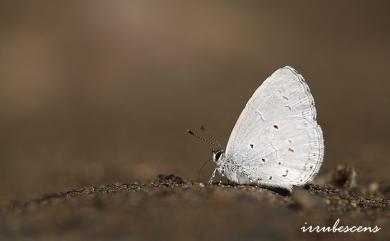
218 155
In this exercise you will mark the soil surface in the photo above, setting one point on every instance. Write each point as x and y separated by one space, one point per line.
170 208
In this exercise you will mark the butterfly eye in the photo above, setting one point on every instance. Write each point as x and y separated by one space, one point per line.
217 155
251 145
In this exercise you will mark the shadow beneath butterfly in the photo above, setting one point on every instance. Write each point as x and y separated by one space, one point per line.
279 191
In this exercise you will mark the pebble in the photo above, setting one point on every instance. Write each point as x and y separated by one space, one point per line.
344 176
303 199
373 187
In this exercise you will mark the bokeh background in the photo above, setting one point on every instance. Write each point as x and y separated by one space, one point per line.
95 92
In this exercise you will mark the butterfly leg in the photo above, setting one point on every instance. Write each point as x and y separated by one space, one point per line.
212 176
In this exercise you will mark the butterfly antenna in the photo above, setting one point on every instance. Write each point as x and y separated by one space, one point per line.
202 139
211 138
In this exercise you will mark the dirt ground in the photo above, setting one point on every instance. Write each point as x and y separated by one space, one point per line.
170 208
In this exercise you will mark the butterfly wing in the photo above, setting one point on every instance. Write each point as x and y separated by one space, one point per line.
276 140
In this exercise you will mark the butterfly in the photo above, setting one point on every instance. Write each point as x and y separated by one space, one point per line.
276 141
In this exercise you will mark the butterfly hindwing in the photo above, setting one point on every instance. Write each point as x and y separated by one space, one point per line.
276 140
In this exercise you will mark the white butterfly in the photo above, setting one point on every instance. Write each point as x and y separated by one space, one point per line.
276 141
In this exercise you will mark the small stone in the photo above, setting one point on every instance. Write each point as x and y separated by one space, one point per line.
169 179
303 199
373 187
344 176
201 184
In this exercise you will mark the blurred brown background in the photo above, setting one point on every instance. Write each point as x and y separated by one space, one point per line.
96 92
